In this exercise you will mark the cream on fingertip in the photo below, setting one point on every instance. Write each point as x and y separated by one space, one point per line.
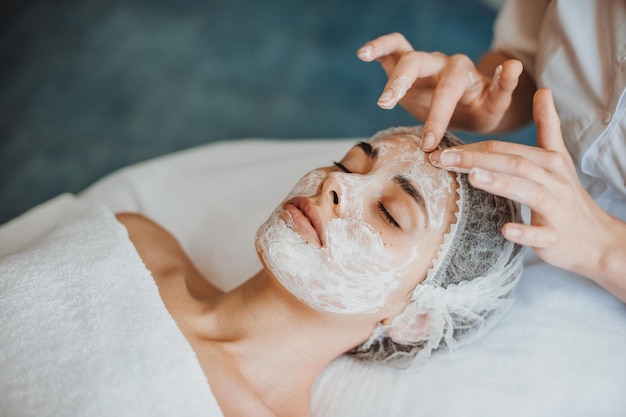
401 85
471 79
386 95
365 53
495 82
394 93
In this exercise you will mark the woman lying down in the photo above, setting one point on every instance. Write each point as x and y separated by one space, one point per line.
381 256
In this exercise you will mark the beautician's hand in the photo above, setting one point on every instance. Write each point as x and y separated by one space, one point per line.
442 90
567 228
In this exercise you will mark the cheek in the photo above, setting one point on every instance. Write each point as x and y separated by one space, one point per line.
418 257
407 280
401 295
410 259
400 248
399 252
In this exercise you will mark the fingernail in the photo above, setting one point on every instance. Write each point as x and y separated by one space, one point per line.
450 158
428 141
401 85
512 232
472 79
365 53
481 176
496 79
386 95
434 158
385 100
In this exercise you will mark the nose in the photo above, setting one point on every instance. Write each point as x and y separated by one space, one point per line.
331 193
340 192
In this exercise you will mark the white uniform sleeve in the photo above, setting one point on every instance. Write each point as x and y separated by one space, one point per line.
516 30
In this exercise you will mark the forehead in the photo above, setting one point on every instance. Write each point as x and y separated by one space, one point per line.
403 152
397 143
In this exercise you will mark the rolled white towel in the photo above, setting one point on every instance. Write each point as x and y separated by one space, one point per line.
84 331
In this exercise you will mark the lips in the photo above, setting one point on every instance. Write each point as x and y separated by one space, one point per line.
304 216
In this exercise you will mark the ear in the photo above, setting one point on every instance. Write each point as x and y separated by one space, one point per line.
409 326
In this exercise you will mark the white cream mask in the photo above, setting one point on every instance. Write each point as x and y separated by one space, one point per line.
352 272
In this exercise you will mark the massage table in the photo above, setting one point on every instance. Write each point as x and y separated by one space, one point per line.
559 351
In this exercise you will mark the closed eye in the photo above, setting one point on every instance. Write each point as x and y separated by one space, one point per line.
388 217
342 167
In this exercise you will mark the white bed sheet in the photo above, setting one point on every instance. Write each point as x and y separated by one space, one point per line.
558 352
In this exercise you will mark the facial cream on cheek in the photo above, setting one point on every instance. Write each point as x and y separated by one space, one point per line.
350 275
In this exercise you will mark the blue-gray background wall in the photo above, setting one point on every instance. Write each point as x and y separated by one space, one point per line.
89 86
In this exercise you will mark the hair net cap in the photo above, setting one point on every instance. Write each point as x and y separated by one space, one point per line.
469 286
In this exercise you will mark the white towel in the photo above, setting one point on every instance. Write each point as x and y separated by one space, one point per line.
83 331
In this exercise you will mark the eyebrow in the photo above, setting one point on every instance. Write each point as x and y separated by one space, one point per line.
407 186
370 151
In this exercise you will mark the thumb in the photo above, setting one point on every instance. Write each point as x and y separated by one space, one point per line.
503 84
547 121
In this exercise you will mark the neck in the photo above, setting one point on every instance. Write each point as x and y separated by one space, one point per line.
277 344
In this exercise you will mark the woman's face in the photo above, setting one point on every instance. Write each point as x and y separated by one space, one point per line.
358 236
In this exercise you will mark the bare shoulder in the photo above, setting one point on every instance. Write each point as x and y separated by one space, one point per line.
156 246
162 253
138 224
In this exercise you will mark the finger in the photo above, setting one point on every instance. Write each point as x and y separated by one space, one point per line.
547 121
411 66
454 80
393 43
534 236
534 195
503 83
505 157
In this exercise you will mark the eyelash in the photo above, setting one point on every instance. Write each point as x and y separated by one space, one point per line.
388 216
342 167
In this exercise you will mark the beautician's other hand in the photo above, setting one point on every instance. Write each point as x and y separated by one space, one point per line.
567 228
443 90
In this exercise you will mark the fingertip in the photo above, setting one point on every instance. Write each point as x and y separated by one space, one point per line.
513 67
386 100
495 80
533 236
434 158
543 97
512 231
365 53
429 141
547 120
506 76
386 105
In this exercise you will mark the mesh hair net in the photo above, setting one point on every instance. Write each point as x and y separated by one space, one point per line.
468 288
